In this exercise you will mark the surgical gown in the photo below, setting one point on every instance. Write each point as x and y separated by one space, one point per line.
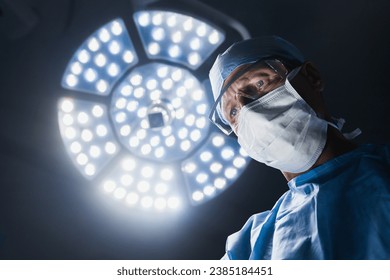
338 210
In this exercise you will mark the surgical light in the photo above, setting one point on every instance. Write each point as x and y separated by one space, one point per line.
138 128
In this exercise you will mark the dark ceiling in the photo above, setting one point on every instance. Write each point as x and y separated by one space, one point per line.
48 211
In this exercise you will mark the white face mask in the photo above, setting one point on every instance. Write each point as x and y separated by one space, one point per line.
281 130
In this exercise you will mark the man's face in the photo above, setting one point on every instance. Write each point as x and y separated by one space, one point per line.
259 80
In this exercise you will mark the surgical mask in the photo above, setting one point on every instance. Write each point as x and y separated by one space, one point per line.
281 130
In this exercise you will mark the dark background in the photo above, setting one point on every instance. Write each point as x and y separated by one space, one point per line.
49 211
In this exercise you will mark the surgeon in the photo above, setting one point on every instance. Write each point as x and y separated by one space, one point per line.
338 202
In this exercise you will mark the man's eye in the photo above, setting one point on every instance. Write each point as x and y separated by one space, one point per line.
233 112
259 84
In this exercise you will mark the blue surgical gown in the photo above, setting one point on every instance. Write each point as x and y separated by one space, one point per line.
338 210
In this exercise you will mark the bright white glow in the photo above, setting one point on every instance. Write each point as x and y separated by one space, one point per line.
239 162
220 183
218 141
86 135
136 79
67 106
90 75
93 44
183 133
160 203
177 37
144 19
193 58
104 35
166 131
94 151
143 186
110 148
158 33
174 51
181 91
154 48
67 119
101 130
109 186
185 145
161 188
83 56
216 167
206 156
227 153
177 75
177 102
141 134
70 133
127 180
100 60
162 72
157 19
173 202
214 38
197 95
133 142
155 140
113 70
76 68
146 149
116 28
166 174
201 30
167 84
82 159
201 122
114 47
189 167
125 130
190 120
144 124
201 178
97 111
208 190
159 152
201 109
172 21
128 164
139 92
126 90
121 103
197 196
151 84
132 106
195 44
101 86
71 80
188 24
120 117
147 172
155 95
180 113
75 147
82 118
230 172
132 198
90 169
147 202
189 83
120 193
243 152
128 57
195 135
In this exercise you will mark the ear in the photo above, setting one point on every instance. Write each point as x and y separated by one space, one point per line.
312 75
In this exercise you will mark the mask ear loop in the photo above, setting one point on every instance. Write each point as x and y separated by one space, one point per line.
339 124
